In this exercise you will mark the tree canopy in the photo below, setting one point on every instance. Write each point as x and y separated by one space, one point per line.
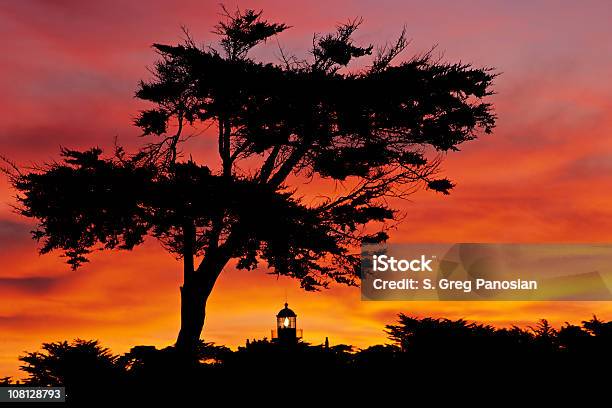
375 131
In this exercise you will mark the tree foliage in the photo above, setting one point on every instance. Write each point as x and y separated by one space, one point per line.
415 340
377 132
447 337
61 363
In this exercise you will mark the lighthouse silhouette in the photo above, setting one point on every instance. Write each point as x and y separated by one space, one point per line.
287 333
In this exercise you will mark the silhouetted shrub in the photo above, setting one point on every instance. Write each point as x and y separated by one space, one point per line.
82 366
85 367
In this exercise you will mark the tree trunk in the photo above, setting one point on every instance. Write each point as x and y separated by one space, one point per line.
194 294
193 312
197 286
193 298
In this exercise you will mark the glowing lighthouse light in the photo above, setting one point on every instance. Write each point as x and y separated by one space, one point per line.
286 332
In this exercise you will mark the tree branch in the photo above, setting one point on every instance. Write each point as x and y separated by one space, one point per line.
268 166
188 250
289 164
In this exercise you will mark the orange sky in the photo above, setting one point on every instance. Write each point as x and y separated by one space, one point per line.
69 70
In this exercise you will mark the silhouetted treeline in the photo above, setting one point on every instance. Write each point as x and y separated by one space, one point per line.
85 366
447 337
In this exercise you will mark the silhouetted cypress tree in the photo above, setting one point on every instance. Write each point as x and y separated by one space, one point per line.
375 132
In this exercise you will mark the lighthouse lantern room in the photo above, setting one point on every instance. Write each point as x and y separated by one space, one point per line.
286 332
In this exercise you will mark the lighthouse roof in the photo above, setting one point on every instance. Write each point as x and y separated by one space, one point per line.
286 312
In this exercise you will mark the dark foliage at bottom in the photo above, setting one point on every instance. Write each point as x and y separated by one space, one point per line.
418 346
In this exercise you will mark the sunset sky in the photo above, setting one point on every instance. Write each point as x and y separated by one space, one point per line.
68 71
